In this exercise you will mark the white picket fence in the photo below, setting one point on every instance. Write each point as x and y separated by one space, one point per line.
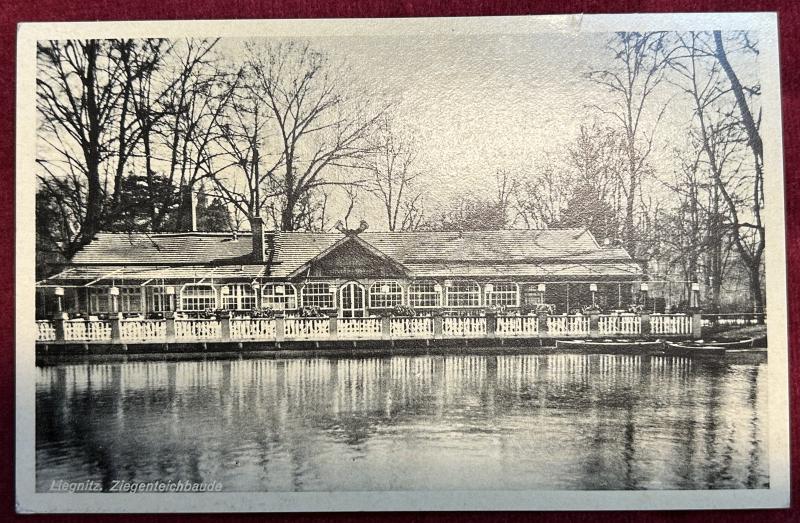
464 326
252 329
576 325
307 328
197 330
670 324
87 330
358 328
616 324
142 330
421 327
412 327
517 326
45 331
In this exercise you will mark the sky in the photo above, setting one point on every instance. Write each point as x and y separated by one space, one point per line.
475 104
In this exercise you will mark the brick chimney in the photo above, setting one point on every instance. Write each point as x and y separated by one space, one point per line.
257 226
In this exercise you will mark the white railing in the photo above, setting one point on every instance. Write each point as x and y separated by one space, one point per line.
359 328
670 324
252 329
517 326
411 327
307 328
142 330
138 330
45 331
87 330
464 326
197 330
627 324
576 325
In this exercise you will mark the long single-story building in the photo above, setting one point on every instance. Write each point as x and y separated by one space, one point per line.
352 273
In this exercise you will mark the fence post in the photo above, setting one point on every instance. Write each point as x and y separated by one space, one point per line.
386 327
169 326
542 327
225 326
438 326
644 318
594 324
697 325
58 325
280 328
116 334
491 324
333 326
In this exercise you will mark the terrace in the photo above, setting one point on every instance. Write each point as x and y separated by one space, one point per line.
281 329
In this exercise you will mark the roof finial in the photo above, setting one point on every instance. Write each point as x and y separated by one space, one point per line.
363 226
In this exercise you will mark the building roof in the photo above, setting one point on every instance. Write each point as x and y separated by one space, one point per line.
190 248
550 253
433 253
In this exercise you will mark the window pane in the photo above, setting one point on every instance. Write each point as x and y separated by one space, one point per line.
279 296
317 294
130 299
502 294
385 294
463 294
423 294
240 296
198 298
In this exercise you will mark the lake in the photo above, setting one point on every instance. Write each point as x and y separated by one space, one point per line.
555 421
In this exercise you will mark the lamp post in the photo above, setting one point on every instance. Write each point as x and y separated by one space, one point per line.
59 293
114 293
170 298
695 297
643 288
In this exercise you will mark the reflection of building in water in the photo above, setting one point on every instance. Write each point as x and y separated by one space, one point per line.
591 421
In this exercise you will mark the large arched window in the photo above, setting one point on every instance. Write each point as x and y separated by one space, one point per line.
502 293
238 296
424 294
463 293
385 295
198 297
279 296
317 294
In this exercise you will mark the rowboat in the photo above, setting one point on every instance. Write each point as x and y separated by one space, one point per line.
610 344
719 347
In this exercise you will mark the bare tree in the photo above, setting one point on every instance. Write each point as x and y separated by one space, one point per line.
392 174
725 140
78 96
638 71
245 179
319 125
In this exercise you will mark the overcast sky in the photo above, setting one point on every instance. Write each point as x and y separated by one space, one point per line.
477 104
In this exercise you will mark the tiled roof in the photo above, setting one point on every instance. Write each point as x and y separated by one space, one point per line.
422 251
537 253
120 274
165 249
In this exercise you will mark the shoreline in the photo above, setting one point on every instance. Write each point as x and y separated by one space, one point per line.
63 357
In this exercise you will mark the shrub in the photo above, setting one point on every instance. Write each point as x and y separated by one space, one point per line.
403 310
311 312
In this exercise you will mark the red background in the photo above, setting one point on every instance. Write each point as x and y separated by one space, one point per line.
15 11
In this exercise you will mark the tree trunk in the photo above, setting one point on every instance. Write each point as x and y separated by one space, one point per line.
92 221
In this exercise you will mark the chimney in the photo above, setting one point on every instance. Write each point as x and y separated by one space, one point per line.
188 203
257 226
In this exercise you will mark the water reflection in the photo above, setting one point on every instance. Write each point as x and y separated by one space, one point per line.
429 422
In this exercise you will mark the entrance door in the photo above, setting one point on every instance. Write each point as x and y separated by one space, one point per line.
351 300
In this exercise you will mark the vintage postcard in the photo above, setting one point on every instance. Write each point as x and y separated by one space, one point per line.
401 264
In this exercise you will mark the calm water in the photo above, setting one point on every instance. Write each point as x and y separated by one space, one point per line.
427 422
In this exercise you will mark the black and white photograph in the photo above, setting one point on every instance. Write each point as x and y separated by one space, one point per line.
487 263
